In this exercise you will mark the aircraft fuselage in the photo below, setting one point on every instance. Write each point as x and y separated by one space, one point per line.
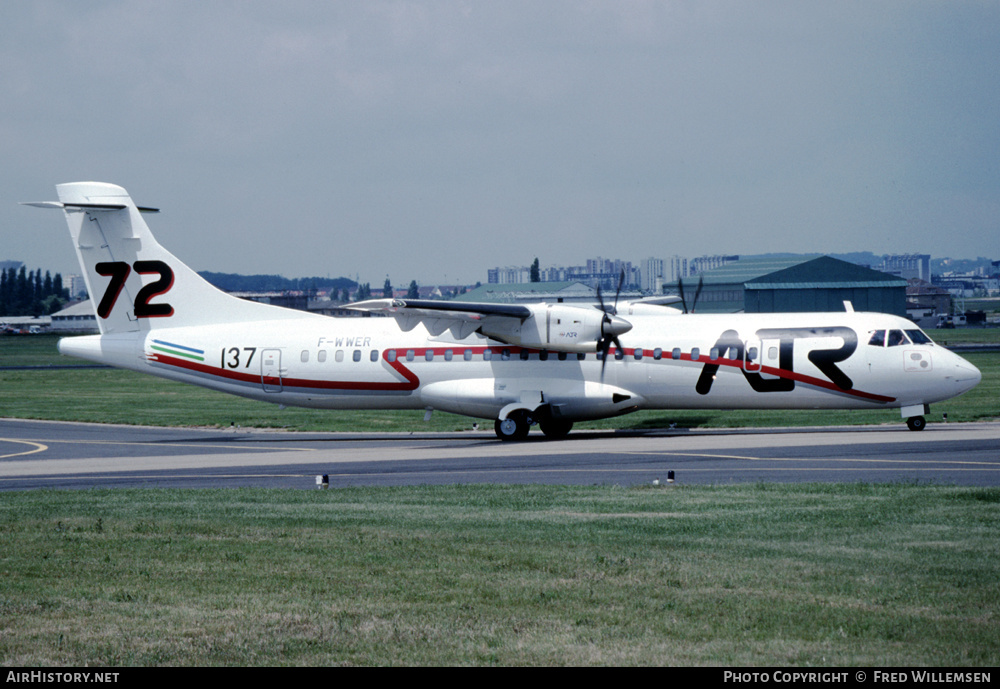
731 361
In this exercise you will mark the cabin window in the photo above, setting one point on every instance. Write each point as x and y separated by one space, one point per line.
581 356
638 353
339 356
357 355
675 353
409 355
487 354
391 355
429 355
448 354
561 356
657 354
525 354
505 355
467 355
373 356
321 356
877 339
752 354
304 356
695 354
543 355
714 353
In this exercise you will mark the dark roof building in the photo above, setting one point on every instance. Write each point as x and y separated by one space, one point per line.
797 284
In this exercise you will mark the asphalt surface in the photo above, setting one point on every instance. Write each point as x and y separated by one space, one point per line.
39 454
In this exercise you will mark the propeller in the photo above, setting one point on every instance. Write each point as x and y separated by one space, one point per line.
611 325
697 293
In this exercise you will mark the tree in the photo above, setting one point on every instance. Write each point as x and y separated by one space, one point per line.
413 292
387 289
535 272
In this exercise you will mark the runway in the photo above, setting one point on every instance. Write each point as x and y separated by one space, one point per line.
40 454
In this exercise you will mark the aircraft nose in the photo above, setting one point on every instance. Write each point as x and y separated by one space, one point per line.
966 375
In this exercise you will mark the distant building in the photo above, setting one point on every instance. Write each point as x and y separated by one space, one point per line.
76 286
653 274
508 275
288 299
678 268
531 292
703 263
78 317
926 303
907 266
800 284
605 272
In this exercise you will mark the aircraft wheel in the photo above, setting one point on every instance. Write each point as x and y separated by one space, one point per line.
553 428
916 423
514 427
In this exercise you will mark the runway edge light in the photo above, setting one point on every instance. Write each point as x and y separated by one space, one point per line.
323 481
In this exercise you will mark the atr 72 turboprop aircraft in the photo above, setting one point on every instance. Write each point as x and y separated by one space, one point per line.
550 364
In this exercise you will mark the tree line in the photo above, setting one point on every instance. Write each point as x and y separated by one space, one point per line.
234 282
341 289
29 293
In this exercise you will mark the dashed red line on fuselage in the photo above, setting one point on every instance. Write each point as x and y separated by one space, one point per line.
411 381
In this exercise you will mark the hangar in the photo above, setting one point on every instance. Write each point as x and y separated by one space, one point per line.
796 284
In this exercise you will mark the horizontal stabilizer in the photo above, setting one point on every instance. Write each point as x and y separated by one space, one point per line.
88 206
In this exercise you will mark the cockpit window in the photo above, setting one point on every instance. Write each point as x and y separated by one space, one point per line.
896 338
919 337
877 339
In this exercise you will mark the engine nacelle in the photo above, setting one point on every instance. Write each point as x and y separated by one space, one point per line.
557 327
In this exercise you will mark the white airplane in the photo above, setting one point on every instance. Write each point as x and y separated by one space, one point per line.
550 364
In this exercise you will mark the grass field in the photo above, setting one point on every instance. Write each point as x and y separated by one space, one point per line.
767 575
115 396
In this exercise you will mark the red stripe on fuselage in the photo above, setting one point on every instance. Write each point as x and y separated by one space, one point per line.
412 382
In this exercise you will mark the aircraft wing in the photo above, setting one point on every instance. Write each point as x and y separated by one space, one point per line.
463 318
665 300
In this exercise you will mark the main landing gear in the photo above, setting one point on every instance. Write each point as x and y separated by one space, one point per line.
916 423
517 424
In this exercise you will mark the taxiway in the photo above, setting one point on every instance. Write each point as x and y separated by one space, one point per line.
39 454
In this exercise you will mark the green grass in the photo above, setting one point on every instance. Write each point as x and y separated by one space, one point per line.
960 336
769 575
115 396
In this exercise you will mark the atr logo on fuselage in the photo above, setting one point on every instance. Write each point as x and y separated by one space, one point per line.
825 359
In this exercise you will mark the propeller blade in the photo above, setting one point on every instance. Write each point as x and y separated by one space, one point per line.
621 281
680 289
611 325
701 282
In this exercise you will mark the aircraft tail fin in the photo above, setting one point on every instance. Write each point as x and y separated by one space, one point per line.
135 283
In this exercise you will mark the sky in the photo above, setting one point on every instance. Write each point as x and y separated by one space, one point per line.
433 140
